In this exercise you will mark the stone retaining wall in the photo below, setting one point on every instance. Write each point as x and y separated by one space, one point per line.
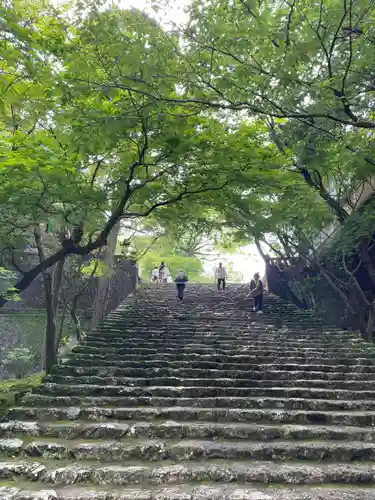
123 282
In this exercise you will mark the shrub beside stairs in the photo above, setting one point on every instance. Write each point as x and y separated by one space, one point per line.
199 401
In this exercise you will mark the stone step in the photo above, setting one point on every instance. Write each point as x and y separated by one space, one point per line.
113 360
113 352
243 343
291 403
213 382
208 367
197 392
255 334
211 491
251 330
189 315
148 348
268 373
250 325
216 470
207 308
183 414
199 320
166 400
165 311
104 427
152 450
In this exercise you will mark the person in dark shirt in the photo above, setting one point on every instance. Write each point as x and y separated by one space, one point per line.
257 290
181 280
162 277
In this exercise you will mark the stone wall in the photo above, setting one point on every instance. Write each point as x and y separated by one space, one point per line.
123 282
22 323
288 281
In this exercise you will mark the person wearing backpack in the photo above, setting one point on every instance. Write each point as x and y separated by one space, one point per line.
256 292
181 280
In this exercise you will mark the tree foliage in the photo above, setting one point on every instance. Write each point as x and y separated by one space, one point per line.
252 121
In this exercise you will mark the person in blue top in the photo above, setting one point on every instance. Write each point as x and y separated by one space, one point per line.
257 290
181 280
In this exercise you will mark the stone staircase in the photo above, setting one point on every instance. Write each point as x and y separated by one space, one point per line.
199 401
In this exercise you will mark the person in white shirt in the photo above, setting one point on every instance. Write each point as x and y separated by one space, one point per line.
155 275
221 276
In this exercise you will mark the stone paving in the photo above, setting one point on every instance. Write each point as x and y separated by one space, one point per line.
203 400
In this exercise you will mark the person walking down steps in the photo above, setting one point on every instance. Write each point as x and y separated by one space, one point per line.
181 280
155 275
221 276
256 292
162 273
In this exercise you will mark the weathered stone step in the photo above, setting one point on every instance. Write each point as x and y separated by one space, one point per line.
185 450
276 344
198 318
213 382
191 314
208 392
253 331
207 366
295 403
197 392
102 429
186 414
113 352
199 322
267 373
212 491
235 358
216 470
259 338
164 312
240 342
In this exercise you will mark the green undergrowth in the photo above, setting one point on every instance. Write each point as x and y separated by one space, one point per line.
13 389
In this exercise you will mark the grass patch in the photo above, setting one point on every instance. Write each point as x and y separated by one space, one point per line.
14 389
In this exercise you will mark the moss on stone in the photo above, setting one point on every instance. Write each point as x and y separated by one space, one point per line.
12 390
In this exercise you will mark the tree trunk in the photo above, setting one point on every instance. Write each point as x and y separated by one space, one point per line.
260 249
50 338
50 342
57 280
364 254
75 318
102 294
315 181
77 325
370 324
61 328
285 244
301 304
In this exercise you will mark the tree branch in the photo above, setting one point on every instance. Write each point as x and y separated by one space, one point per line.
96 170
179 197
240 106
